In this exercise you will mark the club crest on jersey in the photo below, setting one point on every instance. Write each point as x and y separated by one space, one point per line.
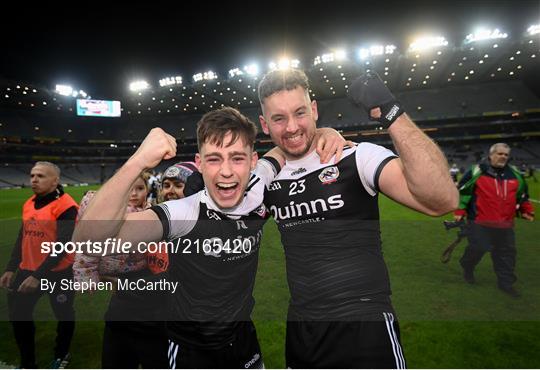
329 175
261 211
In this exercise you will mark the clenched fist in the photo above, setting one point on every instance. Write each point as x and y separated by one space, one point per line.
156 146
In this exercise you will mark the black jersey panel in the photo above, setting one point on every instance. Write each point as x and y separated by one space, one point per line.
330 230
215 266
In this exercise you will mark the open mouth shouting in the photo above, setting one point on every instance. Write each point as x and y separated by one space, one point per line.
227 189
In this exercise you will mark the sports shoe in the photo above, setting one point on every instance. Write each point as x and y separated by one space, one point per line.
469 276
61 362
511 292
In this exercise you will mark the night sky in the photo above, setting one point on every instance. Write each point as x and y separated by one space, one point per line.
100 48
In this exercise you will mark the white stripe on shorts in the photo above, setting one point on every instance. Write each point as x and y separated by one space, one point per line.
173 351
396 347
169 351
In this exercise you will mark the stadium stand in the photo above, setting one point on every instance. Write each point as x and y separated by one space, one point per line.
466 97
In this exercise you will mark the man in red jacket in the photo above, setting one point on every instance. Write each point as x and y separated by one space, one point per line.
490 194
49 215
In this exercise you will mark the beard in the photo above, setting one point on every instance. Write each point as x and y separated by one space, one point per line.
299 152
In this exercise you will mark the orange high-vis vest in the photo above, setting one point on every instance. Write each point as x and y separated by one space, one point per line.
39 225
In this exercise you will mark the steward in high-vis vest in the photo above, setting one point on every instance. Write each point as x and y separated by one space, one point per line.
491 195
48 216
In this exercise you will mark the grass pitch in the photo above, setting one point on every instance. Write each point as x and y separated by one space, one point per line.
445 323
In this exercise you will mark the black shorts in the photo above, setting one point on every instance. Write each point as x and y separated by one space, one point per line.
373 342
128 344
243 353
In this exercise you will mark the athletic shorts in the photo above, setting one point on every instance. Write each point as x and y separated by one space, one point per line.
128 344
243 353
373 342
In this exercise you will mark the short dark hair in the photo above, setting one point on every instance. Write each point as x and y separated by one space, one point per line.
282 79
214 125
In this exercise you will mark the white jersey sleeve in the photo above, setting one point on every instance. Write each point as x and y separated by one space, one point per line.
266 170
370 159
263 174
180 215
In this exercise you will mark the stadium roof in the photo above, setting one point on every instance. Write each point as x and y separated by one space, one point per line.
101 49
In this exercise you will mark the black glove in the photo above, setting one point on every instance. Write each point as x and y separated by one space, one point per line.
369 91
194 184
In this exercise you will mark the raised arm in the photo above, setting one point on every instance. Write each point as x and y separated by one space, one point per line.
106 214
420 178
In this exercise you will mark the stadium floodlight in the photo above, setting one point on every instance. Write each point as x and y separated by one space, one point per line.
168 81
427 42
363 53
389 49
327 58
484 34
340 54
197 77
139 85
83 94
284 63
208 75
533 30
375 50
235 72
64 90
252 69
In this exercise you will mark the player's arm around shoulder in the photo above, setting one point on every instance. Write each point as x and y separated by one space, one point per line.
275 157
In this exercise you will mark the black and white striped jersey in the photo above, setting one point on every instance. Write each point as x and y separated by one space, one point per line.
328 217
214 258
